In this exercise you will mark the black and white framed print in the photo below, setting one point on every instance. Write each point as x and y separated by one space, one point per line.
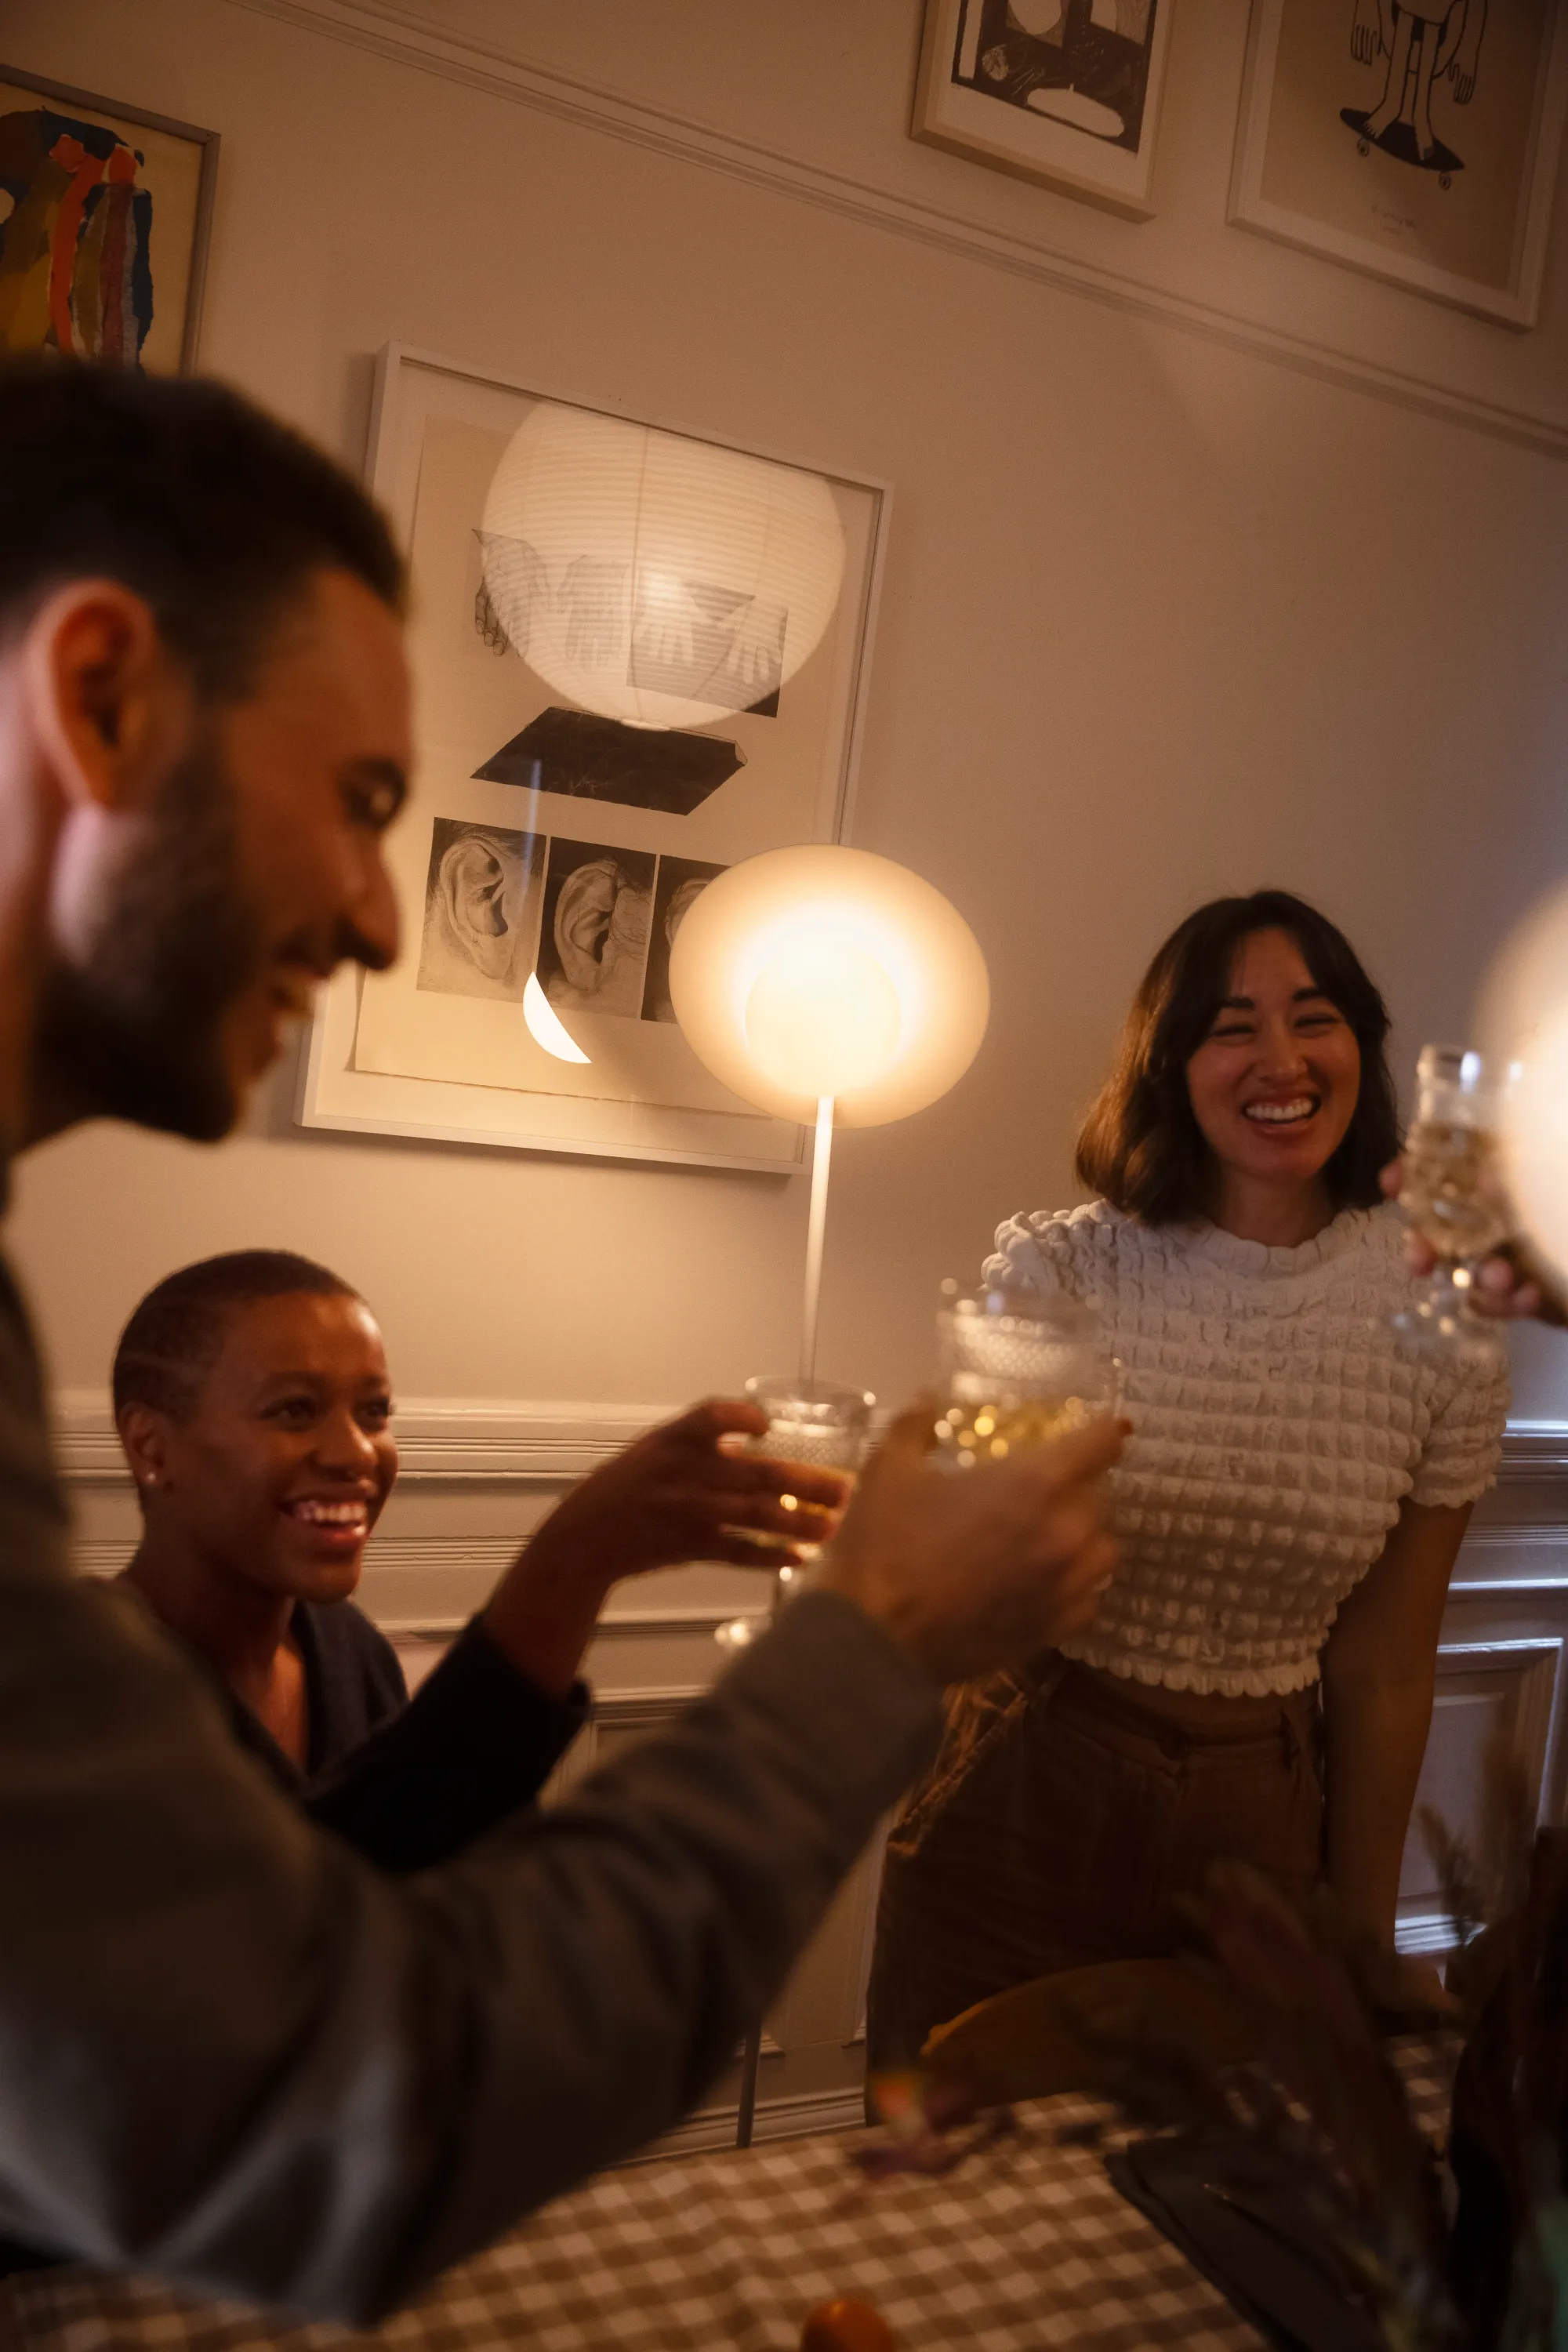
550 851
1066 92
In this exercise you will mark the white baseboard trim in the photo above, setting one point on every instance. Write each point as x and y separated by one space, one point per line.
1428 1936
807 2115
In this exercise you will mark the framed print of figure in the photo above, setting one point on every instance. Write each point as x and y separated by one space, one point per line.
1416 140
597 737
1063 92
105 214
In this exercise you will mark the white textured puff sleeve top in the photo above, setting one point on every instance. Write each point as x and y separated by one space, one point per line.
1277 1426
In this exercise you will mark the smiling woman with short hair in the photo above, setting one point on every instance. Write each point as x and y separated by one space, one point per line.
252 1402
1258 1683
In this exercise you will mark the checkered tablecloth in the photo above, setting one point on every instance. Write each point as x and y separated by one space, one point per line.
1026 2246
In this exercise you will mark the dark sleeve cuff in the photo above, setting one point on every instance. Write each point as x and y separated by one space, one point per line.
477 1741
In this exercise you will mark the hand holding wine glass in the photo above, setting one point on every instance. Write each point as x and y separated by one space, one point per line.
1512 1286
1451 1190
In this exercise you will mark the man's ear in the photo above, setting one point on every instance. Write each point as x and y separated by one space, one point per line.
144 1437
110 706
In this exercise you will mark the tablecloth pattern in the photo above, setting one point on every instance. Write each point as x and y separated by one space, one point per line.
1026 2246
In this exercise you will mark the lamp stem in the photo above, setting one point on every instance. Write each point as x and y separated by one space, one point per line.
821 1161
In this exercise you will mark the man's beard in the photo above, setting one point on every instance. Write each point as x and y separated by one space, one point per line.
135 1032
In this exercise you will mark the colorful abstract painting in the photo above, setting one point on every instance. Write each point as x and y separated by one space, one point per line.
102 223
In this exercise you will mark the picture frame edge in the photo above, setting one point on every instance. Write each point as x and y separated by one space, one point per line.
1518 307
209 142
1060 180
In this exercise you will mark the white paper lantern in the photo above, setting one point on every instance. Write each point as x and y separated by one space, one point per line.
824 971
654 578
1524 1022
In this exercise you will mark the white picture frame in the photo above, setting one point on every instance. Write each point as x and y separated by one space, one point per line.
1063 92
1442 185
398 1054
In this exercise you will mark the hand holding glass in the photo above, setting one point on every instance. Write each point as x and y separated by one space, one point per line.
818 1426
1018 1369
1452 1193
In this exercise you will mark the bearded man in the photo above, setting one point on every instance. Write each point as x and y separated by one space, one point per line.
232 2052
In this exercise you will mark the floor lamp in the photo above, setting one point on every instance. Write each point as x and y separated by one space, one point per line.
830 986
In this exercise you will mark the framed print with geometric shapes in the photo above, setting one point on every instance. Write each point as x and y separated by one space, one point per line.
549 850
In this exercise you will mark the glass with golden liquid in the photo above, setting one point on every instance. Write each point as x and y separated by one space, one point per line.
1018 1369
1452 1193
815 1422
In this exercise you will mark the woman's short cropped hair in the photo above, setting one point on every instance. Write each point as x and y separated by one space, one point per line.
1139 1146
174 1337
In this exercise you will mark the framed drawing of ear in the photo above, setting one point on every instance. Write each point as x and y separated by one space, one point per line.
597 739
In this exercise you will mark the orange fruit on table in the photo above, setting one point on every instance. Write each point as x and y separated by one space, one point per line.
846 2326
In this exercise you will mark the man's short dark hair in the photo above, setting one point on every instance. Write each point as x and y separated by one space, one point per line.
1139 1145
185 493
174 1337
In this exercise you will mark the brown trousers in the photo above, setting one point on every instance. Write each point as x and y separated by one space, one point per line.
1056 1829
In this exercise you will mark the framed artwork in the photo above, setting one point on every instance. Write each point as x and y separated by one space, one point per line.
105 216
548 852
1416 140
1063 92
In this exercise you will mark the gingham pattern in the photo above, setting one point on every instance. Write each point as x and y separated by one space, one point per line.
1026 2246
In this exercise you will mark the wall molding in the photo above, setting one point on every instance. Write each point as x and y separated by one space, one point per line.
450 1442
809 2113
502 1442
395 33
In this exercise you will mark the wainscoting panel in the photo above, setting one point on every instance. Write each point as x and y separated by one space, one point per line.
477 1477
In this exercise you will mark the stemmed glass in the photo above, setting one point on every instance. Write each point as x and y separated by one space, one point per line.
1452 1193
1018 1368
814 1423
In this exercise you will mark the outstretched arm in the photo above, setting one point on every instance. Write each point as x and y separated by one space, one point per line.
233 2054
484 1732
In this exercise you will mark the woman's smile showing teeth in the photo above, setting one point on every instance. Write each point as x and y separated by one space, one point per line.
1281 1114
349 1516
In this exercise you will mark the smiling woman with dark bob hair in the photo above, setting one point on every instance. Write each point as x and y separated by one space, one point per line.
1258 1683
1140 1146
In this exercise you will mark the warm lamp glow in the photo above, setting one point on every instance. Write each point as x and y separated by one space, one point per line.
858 940
1525 1019
545 1025
654 578
823 1018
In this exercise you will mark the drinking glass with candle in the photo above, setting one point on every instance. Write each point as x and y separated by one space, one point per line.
814 1423
1018 1368
1452 1193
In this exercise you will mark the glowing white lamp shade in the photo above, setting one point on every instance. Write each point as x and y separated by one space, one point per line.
1524 1017
821 972
654 578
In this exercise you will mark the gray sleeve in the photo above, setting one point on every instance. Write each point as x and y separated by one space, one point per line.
234 2054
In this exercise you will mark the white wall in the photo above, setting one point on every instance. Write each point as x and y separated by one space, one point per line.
1164 615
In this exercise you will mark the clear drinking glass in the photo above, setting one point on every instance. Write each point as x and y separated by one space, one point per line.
1452 1193
1018 1368
813 1421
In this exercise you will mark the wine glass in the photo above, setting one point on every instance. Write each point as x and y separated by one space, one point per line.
811 1421
1018 1368
1452 1194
